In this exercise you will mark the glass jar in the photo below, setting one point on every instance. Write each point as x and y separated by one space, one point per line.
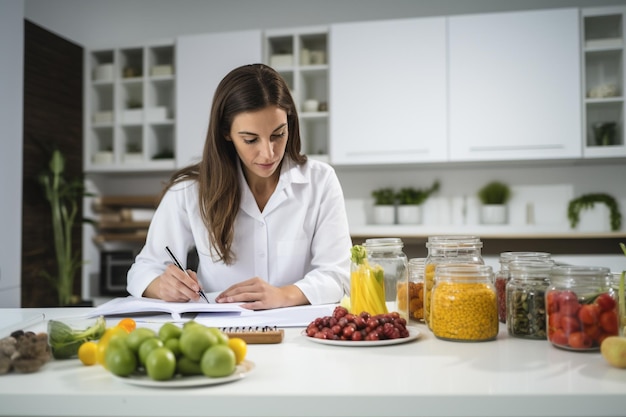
464 304
375 287
413 292
443 250
526 298
582 307
502 276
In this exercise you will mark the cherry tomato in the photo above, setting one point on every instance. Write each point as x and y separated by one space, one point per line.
558 337
589 313
568 303
606 302
579 340
608 322
554 321
593 331
127 324
552 302
569 324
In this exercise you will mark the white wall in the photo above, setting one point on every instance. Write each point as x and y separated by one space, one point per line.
11 81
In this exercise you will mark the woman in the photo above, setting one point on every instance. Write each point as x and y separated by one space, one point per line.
269 226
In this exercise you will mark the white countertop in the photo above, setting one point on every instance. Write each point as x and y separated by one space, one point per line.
430 377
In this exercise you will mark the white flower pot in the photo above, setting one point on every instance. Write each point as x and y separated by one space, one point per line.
493 214
384 214
409 214
595 219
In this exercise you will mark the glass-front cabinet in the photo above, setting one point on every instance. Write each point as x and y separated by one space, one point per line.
301 57
603 72
129 112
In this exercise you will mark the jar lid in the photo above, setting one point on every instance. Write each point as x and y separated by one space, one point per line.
513 256
453 242
386 243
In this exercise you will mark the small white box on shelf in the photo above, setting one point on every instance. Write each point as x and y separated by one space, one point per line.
132 116
103 157
162 70
132 158
156 114
103 117
103 72
283 60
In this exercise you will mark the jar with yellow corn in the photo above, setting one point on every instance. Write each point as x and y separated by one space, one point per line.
446 250
464 304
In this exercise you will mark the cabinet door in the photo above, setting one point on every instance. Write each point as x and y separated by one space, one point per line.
201 62
515 86
388 92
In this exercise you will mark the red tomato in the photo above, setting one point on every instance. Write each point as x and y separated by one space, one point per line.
554 321
589 313
568 303
608 322
593 331
558 337
579 340
570 324
606 302
552 302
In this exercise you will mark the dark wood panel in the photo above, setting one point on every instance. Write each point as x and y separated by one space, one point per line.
53 102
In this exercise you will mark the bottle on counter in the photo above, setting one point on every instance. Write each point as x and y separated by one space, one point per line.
445 250
386 272
464 303
582 307
413 292
525 298
502 276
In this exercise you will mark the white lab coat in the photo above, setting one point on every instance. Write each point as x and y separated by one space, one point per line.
300 238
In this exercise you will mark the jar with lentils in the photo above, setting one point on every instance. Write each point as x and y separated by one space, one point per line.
464 303
413 292
502 276
445 250
582 308
525 298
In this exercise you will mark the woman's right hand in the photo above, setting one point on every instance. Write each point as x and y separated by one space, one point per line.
174 285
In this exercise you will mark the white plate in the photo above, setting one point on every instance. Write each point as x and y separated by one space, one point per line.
413 334
188 381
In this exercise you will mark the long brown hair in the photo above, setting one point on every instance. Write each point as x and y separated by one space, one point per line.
246 88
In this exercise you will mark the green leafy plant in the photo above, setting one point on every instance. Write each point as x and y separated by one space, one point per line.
587 201
384 196
494 192
63 196
410 195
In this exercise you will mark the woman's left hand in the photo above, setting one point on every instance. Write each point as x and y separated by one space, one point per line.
258 294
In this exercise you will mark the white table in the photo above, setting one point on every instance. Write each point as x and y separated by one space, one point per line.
431 377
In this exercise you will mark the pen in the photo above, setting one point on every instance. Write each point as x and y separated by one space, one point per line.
178 264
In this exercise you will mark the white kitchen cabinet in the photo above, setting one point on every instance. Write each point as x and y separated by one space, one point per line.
388 92
514 87
202 61
603 75
129 109
300 55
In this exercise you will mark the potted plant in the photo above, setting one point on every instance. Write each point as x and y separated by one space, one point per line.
494 196
587 202
410 202
384 206
64 197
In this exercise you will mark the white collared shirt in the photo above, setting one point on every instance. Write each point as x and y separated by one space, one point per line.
300 238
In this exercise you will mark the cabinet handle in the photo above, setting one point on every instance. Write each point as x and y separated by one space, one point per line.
379 152
514 148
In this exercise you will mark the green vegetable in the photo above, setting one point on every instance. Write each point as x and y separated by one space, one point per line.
65 341
587 201
358 254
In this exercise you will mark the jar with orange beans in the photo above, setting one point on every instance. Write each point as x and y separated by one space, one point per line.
581 307
447 249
